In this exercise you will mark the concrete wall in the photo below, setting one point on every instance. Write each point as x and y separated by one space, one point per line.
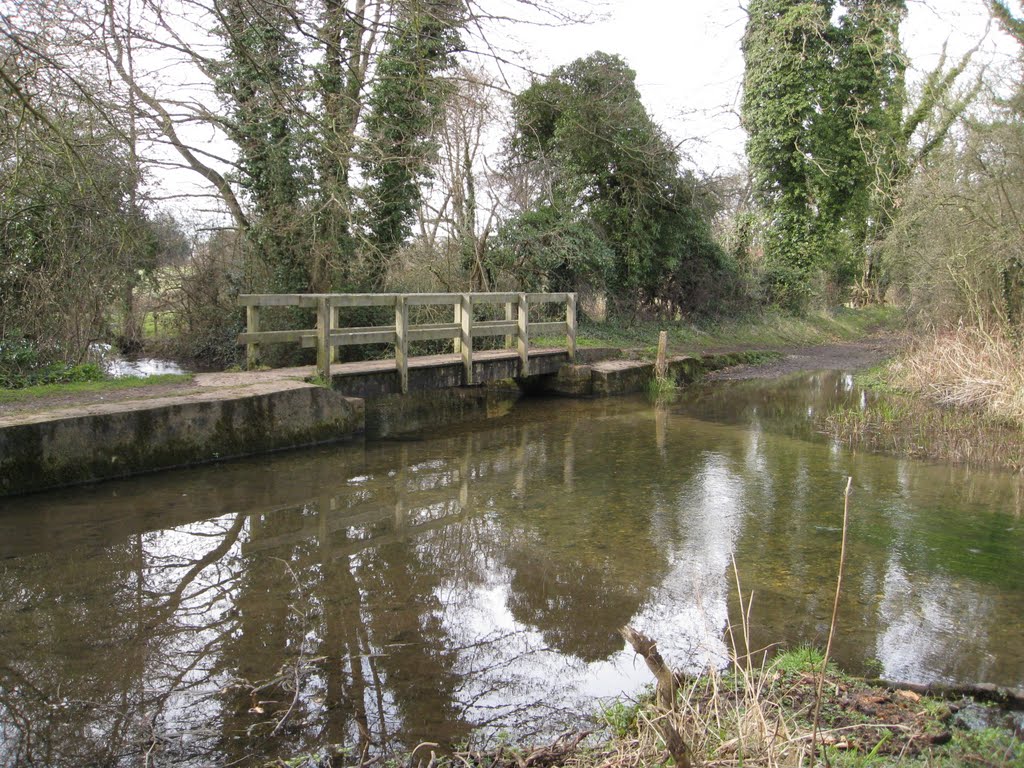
418 411
116 440
608 378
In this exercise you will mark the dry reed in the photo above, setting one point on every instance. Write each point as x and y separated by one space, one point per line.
968 369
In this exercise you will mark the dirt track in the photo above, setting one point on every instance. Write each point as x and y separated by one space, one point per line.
847 356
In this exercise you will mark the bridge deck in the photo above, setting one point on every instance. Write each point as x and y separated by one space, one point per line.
370 378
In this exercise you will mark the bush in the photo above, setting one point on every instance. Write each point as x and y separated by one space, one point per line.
22 366
201 298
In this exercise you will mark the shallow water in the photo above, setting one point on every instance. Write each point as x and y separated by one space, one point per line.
119 366
470 581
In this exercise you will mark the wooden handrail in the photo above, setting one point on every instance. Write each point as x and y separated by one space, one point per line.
328 335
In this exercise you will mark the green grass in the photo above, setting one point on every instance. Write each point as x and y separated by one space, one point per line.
804 659
621 718
878 378
767 329
104 385
988 747
662 390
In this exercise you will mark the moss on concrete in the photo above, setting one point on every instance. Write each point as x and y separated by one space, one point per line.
144 437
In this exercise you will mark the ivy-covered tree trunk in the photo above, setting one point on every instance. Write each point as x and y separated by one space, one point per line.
260 79
831 140
406 101
787 55
346 37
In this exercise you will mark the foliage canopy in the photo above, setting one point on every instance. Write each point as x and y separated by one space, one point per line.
608 193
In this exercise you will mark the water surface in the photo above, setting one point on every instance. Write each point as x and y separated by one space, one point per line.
452 585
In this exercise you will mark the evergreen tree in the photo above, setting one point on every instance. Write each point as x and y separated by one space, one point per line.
607 174
822 104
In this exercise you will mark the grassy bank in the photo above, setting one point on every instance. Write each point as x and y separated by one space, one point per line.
756 715
911 426
957 397
42 391
764 330
764 715
968 369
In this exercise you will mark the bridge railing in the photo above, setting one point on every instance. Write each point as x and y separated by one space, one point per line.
516 327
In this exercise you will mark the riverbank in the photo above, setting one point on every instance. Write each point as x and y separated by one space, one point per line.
793 710
956 398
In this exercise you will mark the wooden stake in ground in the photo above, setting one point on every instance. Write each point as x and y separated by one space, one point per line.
661 364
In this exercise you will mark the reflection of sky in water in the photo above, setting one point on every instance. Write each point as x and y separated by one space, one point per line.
117 366
479 579
689 612
145 366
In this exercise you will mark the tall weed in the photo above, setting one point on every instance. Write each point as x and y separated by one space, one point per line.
968 368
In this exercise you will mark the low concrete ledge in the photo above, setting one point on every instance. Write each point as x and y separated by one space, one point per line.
609 378
114 440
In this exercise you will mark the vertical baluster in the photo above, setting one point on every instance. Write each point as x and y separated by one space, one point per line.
402 343
467 338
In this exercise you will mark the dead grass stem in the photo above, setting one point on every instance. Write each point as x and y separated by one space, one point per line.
969 368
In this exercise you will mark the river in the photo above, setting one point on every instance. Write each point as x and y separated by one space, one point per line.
452 586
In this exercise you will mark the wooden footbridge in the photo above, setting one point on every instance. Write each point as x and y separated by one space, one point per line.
474 316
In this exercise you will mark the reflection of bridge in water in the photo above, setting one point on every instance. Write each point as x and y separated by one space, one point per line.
418 589
427 492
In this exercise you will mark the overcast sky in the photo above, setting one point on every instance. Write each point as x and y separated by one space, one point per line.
689 66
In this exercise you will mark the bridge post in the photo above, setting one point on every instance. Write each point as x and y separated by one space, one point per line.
523 335
335 313
457 341
466 315
252 325
509 317
323 339
570 326
402 343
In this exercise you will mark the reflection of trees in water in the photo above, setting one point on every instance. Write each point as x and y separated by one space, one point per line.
42 701
101 646
365 583
419 577
583 551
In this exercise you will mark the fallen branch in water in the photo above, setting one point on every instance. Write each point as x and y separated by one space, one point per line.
668 723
